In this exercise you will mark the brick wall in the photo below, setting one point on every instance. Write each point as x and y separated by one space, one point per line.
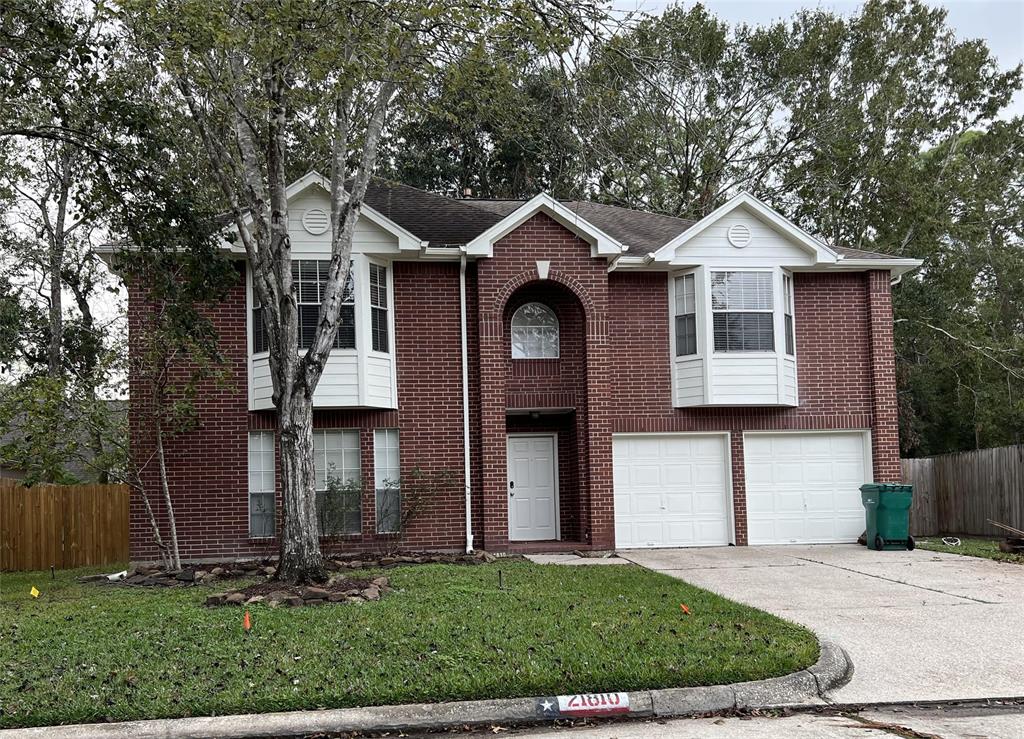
614 371
843 322
207 466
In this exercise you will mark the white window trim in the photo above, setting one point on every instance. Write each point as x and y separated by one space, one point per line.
698 311
367 309
343 431
558 330
376 486
250 492
706 353
776 305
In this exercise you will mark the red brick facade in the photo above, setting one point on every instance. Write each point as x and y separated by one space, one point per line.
612 376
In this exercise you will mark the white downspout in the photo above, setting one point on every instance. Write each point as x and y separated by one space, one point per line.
465 402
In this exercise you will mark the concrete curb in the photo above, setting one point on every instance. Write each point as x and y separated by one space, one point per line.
832 670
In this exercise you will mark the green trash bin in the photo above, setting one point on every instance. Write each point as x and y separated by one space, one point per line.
887 513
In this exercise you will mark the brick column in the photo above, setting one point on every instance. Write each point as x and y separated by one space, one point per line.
494 454
885 440
600 502
739 486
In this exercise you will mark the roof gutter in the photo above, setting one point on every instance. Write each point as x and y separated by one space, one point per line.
465 400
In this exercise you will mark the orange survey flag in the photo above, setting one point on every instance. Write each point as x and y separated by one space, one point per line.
246 623
684 608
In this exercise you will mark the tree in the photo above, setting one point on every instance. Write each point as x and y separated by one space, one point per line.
258 77
174 351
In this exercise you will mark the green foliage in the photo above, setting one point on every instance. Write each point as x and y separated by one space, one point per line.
93 653
878 130
972 547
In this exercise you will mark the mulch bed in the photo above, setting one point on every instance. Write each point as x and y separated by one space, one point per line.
211 572
338 589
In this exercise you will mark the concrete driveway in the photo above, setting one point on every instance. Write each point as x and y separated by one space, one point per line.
918 625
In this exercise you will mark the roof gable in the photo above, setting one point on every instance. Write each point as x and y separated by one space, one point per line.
601 243
814 248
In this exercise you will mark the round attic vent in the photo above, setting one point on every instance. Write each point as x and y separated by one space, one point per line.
315 221
738 235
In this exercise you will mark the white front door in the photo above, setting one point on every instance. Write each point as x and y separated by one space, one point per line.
532 488
671 490
804 488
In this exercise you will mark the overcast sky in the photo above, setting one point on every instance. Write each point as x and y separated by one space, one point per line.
999 22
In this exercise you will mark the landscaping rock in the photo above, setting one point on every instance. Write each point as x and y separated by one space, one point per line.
217 571
269 571
337 597
255 599
313 594
215 600
277 596
372 593
292 601
186 576
234 599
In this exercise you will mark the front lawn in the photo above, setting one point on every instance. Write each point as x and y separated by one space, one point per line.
971 547
83 653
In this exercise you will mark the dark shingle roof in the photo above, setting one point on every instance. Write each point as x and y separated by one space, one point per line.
441 221
444 221
639 230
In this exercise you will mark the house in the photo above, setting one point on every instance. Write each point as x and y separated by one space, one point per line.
592 376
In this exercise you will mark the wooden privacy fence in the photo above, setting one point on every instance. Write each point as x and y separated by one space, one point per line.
957 493
62 525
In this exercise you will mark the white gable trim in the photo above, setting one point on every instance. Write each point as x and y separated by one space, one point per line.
407 240
601 244
823 254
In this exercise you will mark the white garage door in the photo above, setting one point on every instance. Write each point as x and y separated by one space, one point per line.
805 488
671 490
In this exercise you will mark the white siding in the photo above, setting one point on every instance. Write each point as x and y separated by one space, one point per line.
767 247
339 386
369 238
261 387
789 392
689 381
744 380
380 382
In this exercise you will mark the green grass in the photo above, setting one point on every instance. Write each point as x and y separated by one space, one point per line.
971 547
83 653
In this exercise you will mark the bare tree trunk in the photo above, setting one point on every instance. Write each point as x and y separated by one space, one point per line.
165 553
300 557
56 310
165 487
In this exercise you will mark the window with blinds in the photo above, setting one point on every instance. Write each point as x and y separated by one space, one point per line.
686 316
742 308
379 308
787 287
310 279
259 326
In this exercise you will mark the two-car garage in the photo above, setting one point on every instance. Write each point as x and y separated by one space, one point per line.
674 490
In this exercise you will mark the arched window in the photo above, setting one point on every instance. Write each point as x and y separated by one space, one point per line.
534 332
